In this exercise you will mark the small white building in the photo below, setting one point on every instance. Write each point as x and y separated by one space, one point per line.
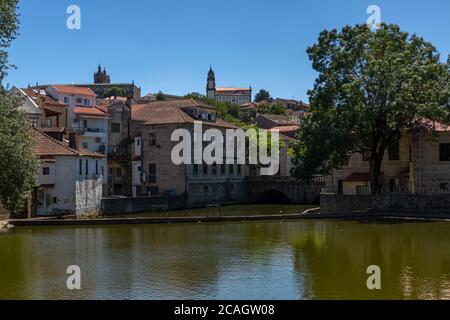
70 178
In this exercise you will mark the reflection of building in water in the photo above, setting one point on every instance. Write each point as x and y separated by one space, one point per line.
336 267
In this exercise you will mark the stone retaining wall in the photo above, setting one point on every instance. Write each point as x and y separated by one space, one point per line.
117 206
388 202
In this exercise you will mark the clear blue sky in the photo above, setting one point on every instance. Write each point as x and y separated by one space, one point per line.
168 45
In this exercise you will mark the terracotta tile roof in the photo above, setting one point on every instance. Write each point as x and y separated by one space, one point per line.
170 112
232 89
74 90
90 111
278 119
358 177
285 128
40 95
45 145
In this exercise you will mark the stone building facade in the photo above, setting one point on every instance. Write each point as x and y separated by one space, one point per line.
152 125
418 164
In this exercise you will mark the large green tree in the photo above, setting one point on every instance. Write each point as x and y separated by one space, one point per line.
19 164
262 95
9 21
372 87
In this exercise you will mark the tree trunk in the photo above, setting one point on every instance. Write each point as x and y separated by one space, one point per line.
375 174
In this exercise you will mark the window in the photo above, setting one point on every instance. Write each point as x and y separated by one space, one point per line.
115 127
46 171
66 100
78 100
394 151
444 186
96 167
85 123
87 167
86 102
195 170
392 185
34 122
152 138
444 152
205 189
49 123
152 173
138 141
118 172
139 168
80 167
85 145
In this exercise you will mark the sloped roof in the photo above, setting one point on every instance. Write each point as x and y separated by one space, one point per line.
170 112
90 111
39 95
64 89
44 145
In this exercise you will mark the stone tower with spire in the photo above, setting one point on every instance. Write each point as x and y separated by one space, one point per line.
211 84
101 76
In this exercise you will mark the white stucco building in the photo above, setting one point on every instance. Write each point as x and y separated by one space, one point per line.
70 178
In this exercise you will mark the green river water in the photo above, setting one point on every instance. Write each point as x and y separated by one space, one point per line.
303 259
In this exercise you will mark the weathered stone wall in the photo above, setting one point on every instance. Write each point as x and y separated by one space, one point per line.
392 202
88 196
117 206
391 169
211 191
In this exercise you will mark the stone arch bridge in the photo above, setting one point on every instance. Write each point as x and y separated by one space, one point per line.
267 189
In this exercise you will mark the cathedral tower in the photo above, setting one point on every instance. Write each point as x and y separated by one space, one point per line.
101 76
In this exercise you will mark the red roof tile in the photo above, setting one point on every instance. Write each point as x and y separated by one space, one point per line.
45 145
90 111
170 112
231 89
74 90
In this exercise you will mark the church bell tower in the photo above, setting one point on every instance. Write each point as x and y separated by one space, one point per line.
211 84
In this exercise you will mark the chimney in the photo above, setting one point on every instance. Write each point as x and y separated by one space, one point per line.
73 143
129 102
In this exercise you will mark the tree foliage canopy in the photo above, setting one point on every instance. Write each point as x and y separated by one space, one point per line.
371 88
19 165
262 95
9 23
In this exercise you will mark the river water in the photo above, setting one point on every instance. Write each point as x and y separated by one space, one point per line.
308 259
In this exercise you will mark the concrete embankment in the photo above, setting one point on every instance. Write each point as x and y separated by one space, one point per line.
208 219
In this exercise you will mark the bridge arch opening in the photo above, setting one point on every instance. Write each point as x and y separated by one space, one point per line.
273 196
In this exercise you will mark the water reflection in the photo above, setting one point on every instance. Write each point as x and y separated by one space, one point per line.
251 260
